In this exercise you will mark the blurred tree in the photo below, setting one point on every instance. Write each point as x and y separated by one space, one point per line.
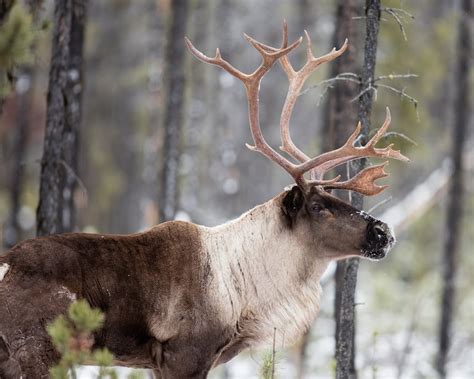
175 76
197 114
306 19
224 129
339 119
304 14
73 95
456 186
24 91
121 102
346 275
59 162
16 39
5 7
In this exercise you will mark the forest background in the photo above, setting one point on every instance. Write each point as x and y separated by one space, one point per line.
122 163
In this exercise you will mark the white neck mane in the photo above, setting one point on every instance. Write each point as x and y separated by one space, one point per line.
268 277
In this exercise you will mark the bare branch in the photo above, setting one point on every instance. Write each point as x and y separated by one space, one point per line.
397 14
402 11
344 77
399 135
76 177
379 204
398 20
395 76
402 94
364 91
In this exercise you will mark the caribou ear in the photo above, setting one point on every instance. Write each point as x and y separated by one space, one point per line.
291 205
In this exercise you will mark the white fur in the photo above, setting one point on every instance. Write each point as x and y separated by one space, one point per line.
64 291
265 259
3 270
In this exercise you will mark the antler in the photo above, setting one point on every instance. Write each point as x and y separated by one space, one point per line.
252 86
297 80
362 182
327 161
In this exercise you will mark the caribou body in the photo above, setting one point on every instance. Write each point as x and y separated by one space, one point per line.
182 298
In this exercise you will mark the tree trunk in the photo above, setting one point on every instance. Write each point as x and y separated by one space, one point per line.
5 6
305 14
74 90
456 188
198 105
346 273
24 95
175 75
13 233
339 114
59 162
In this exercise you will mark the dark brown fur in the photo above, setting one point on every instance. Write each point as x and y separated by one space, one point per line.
130 278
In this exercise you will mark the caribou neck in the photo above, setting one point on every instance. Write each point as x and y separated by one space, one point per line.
269 272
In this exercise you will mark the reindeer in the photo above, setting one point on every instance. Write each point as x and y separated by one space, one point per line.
182 298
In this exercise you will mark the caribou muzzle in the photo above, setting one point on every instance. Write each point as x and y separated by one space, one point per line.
379 240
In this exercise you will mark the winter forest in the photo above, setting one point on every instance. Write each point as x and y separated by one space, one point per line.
108 124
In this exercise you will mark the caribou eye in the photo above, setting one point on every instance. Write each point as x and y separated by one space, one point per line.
317 208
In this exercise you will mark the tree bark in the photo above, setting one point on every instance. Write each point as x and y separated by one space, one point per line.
456 187
55 212
346 273
175 59
74 90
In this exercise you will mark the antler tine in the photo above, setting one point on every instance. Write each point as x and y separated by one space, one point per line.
269 54
327 161
217 61
364 181
313 62
297 80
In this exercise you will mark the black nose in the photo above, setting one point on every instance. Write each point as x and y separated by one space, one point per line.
379 240
378 234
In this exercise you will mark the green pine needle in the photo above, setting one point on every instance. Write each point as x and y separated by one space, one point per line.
84 317
16 38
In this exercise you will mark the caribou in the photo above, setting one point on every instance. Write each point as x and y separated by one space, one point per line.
182 298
